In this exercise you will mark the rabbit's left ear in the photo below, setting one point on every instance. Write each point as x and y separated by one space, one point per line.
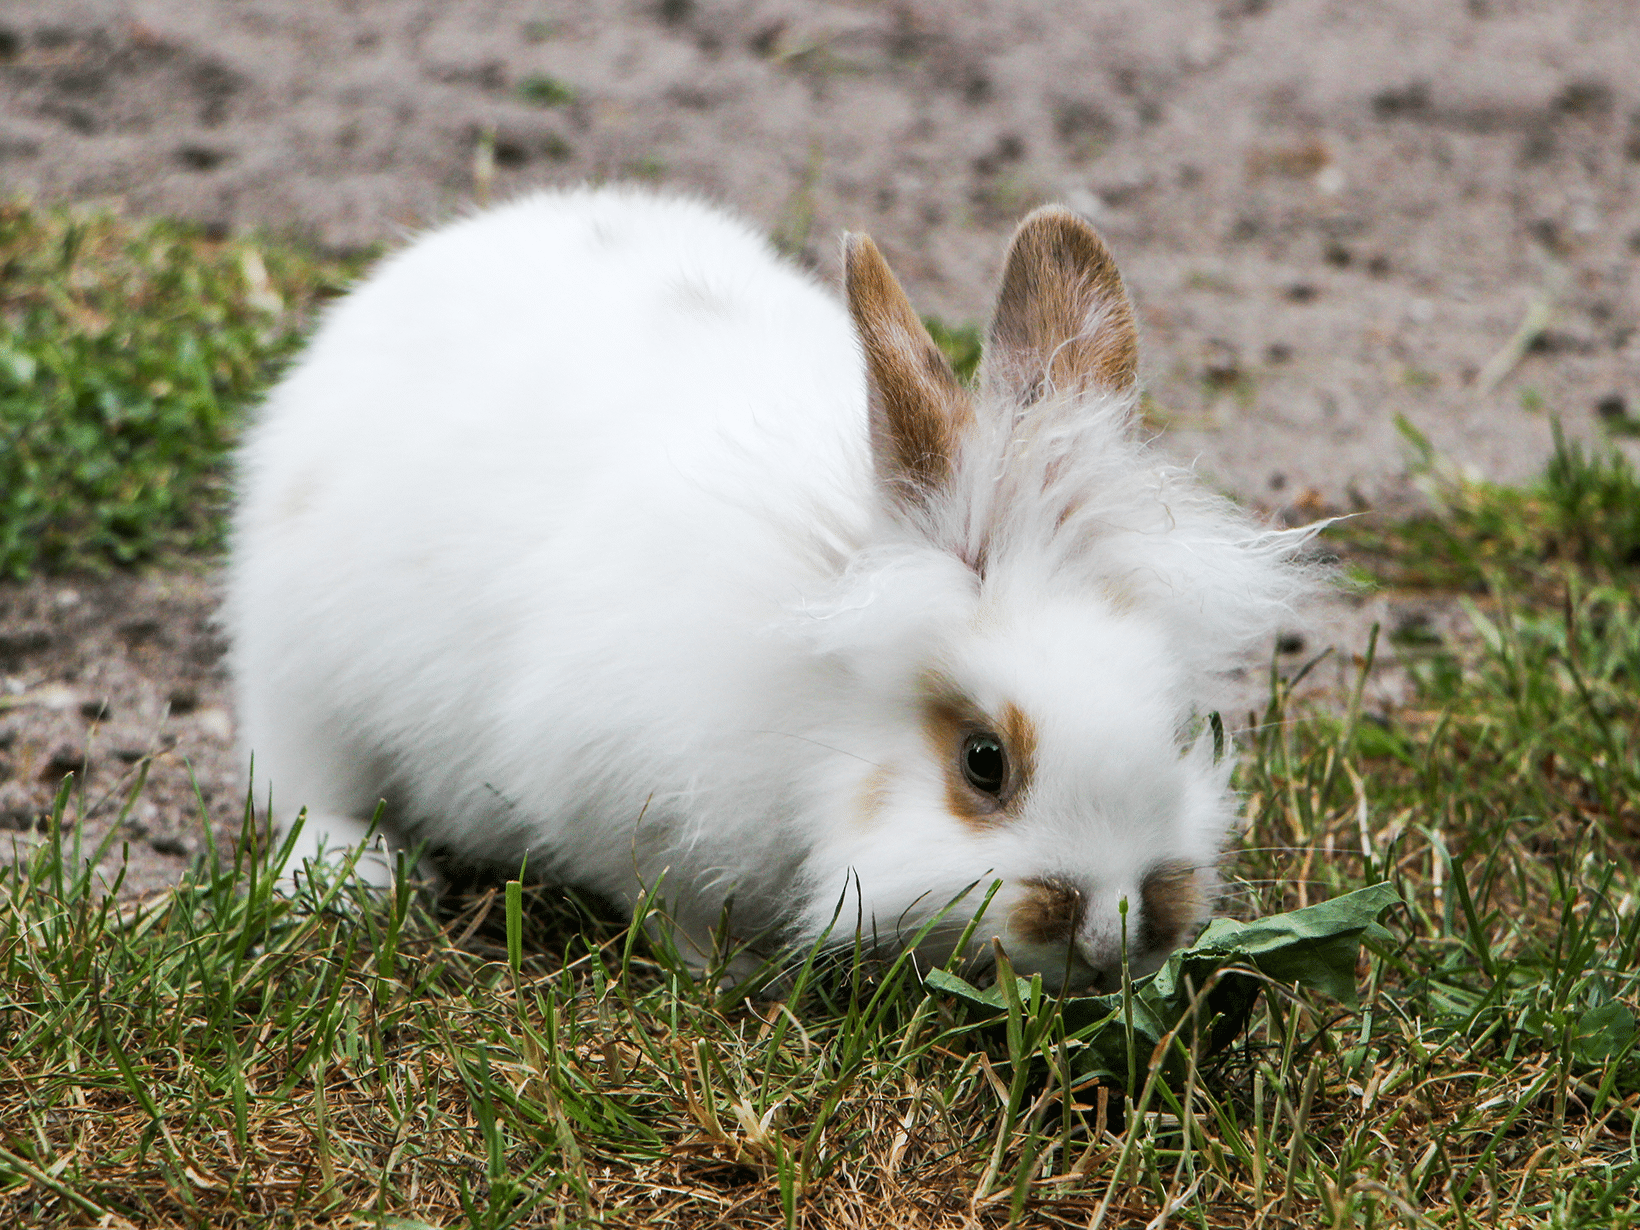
1063 321
919 409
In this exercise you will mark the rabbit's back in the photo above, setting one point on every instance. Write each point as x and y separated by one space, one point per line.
535 491
551 341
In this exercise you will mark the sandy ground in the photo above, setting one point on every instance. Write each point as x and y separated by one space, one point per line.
1329 215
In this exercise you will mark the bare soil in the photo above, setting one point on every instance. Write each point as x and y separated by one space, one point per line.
1329 214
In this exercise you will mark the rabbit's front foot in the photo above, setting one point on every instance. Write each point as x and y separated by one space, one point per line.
330 845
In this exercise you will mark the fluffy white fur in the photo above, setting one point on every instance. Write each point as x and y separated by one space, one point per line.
564 539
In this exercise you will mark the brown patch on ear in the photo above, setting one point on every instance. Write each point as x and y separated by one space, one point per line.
949 718
1172 904
1062 317
919 410
1049 913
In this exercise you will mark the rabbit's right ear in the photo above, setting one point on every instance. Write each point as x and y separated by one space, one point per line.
1063 320
919 409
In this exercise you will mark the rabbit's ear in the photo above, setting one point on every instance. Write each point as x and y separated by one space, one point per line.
919 409
1063 321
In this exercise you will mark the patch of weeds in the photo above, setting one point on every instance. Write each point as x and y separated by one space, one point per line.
1613 412
1220 379
1209 280
1004 195
129 353
543 91
651 167
961 344
1504 805
792 229
1582 512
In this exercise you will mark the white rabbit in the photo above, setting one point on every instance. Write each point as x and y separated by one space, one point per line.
589 531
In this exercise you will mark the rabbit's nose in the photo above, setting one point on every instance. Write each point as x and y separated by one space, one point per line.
1051 911
1056 908
1076 932
1170 904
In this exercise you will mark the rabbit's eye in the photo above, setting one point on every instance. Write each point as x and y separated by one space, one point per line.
984 763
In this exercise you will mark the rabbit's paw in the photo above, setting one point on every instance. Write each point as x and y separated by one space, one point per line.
332 846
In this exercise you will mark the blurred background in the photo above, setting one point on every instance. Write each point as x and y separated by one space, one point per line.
1329 213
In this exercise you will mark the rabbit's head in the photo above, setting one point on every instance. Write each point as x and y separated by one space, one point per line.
1036 629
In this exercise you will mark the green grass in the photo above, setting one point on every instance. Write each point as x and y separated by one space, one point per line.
1583 511
545 91
128 354
961 344
219 1057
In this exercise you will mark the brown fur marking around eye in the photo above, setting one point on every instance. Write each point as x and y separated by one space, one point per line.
1172 904
949 717
1062 315
918 408
873 796
1050 912
1019 737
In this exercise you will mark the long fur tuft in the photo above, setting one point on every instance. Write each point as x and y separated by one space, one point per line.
1060 498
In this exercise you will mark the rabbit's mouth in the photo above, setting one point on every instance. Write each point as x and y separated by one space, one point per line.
1064 968
1060 966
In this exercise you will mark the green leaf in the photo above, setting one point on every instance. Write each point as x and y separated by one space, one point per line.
1603 1033
1315 947
990 997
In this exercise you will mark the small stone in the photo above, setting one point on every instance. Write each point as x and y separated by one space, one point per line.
1289 642
58 696
215 724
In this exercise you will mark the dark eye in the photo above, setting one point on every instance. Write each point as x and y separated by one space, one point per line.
984 763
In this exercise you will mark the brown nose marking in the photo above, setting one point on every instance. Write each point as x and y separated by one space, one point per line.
1050 913
1172 905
